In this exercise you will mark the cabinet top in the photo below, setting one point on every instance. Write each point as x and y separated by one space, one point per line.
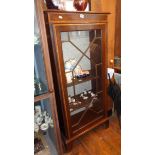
75 12
55 16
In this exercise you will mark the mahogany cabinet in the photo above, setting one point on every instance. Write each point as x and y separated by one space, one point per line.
77 44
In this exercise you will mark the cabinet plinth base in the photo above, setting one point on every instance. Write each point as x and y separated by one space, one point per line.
68 143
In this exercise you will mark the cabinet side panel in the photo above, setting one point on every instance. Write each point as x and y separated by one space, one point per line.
55 78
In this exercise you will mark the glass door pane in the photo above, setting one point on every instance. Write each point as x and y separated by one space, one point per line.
82 56
40 82
45 139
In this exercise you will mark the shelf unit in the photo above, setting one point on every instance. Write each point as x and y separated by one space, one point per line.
45 98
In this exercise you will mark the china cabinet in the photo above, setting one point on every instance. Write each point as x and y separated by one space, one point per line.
47 139
77 44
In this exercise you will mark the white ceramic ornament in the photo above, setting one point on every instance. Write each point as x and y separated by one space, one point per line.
75 103
39 120
73 100
85 92
77 70
44 127
69 77
70 64
81 95
85 97
36 127
69 99
89 92
51 123
38 109
93 95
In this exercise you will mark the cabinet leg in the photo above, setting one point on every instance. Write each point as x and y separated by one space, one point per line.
69 147
106 124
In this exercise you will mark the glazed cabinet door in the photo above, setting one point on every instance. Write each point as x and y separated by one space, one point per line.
82 63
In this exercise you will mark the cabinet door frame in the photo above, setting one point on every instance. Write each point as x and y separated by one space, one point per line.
56 30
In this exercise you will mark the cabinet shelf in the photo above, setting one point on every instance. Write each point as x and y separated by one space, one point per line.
80 104
41 97
41 93
82 80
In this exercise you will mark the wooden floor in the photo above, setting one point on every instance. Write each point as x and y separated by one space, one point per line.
99 141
